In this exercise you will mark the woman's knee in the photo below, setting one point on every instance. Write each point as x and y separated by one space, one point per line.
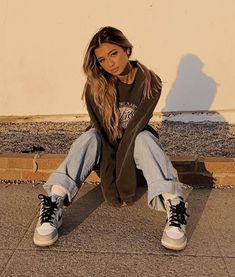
145 143
92 135
90 138
143 138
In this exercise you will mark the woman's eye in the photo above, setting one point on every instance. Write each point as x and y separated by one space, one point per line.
113 53
101 61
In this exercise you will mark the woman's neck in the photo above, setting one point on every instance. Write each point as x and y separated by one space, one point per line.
128 75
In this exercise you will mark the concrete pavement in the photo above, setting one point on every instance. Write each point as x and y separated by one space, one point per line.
99 240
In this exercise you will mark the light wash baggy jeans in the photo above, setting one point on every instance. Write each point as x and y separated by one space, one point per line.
85 154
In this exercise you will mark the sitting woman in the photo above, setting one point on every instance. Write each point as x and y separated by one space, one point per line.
121 95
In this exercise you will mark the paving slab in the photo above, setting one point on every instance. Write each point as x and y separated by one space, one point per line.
100 240
230 263
92 225
201 239
5 256
89 224
220 210
18 208
67 263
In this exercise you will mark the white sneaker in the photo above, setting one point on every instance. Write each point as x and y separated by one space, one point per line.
50 219
174 234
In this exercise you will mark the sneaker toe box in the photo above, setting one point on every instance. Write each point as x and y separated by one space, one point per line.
173 243
175 233
45 236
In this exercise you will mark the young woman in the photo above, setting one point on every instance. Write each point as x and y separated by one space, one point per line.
120 95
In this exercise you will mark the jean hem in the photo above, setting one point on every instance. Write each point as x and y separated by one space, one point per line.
61 179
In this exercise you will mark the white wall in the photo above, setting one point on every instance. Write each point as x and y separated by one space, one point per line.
189 43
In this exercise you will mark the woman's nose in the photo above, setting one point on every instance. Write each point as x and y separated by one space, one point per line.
110 62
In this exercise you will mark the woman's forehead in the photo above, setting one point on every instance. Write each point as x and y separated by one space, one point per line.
105 47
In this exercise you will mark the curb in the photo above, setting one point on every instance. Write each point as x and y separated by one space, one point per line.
194 171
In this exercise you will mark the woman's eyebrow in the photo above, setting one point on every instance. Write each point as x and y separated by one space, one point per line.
112 50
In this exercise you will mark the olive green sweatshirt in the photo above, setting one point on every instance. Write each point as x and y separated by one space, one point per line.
117 167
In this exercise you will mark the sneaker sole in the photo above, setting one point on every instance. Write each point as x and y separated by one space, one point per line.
173 246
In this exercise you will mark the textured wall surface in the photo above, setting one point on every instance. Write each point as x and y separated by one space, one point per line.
190 44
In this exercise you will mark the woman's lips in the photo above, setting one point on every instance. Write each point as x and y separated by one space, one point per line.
115 70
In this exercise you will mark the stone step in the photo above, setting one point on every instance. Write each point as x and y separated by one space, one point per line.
194 171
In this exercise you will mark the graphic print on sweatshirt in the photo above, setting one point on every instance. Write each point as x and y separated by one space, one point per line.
127 111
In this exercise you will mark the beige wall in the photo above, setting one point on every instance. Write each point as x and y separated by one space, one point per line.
189 43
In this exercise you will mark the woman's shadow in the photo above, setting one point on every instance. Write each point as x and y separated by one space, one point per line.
193 90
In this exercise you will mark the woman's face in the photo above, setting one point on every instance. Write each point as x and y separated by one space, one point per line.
112 58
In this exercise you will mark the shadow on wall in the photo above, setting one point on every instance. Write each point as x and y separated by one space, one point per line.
192 89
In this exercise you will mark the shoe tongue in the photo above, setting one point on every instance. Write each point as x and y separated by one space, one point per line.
55 197
175 201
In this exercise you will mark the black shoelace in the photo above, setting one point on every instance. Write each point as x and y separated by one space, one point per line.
48 209
177 215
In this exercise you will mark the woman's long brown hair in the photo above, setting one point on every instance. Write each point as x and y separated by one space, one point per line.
103 85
